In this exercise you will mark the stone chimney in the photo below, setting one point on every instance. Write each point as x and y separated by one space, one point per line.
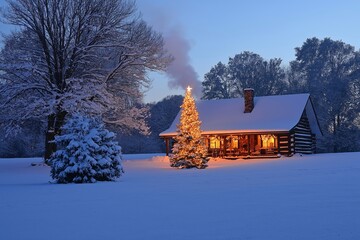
249 100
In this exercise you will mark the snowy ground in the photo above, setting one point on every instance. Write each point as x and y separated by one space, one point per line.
308 197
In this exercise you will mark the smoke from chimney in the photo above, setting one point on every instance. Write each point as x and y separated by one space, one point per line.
180 71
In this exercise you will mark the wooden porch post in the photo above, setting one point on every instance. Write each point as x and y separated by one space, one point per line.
248 145
167 143
224 147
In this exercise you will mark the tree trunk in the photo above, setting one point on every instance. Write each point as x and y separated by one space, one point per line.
49 136
337 133
55 122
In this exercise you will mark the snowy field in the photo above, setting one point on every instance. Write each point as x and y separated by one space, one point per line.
303 197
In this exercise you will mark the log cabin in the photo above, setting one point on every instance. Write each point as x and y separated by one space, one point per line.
267 126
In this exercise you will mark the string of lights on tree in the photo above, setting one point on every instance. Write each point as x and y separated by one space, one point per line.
189 150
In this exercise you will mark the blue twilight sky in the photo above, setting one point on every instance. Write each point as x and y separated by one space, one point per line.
217 30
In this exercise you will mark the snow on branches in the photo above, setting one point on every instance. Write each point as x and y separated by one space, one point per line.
86 153
77 56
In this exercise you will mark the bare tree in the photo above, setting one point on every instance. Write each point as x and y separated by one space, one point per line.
330 71
77 56
249 69
244 70
216 84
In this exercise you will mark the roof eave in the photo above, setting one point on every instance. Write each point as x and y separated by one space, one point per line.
231 132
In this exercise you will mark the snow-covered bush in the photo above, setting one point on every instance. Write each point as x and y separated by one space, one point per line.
86 152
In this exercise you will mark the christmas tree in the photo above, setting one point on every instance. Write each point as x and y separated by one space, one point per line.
86 152
189 150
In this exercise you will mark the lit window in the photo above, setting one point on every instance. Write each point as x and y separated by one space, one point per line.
234 143
214 142
268 141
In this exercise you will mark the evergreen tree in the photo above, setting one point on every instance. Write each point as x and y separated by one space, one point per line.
86 153
189 150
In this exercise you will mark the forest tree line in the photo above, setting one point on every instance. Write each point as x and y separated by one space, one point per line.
327 69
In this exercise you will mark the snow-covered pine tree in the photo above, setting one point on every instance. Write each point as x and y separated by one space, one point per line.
189 150
86 152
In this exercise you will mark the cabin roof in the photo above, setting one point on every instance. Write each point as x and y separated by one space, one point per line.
278 113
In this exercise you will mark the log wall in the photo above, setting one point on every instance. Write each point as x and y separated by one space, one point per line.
305 141
285 144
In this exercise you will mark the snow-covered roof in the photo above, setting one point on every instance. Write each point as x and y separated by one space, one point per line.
270 114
